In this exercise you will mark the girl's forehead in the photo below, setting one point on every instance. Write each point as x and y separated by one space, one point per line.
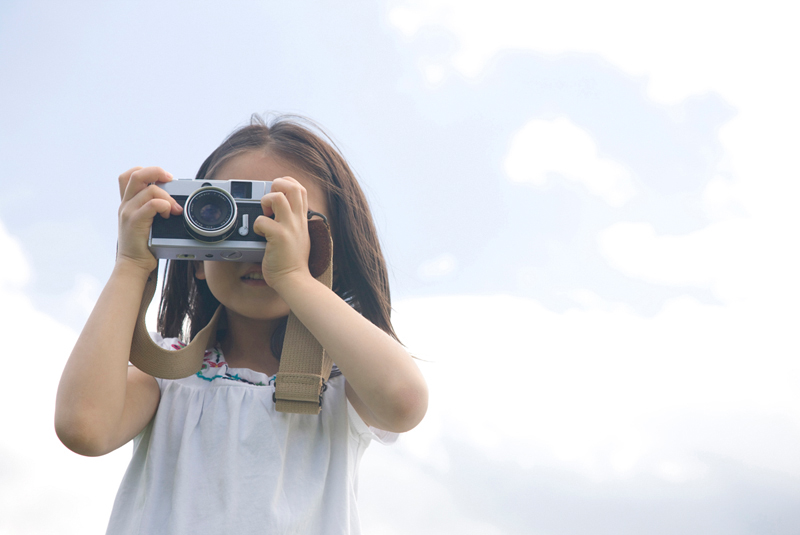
253 165
258 165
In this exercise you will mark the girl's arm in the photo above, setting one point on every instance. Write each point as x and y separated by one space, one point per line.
102 403
384 384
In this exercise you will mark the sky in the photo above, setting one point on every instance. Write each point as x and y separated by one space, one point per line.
588 211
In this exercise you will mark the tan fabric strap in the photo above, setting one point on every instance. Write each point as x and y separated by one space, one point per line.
304 366
159 362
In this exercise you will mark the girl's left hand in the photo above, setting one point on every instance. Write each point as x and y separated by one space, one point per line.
285 226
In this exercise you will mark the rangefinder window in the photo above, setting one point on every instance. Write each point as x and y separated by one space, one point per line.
241 190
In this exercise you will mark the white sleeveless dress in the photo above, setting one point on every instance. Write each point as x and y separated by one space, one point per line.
217 458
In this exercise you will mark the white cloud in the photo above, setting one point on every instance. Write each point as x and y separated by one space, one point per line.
682 471
692 259
600 392
683 47
719 200
589 300
750 261
604 374
44 488
389 477
673 405
641 39
545 147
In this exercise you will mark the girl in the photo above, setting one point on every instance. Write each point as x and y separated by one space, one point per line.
211 454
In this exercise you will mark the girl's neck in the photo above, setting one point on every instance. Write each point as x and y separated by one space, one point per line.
247 343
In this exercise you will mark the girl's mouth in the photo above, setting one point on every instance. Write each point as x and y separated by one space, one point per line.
255 278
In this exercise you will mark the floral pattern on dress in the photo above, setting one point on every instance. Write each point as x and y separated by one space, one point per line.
214 367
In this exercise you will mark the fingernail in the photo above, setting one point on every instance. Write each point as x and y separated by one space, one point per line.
169 174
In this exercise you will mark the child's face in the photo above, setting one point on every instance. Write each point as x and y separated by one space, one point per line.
252 298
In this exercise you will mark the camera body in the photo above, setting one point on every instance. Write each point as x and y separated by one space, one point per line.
216 224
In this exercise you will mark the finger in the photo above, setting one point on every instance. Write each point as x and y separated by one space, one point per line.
143 216
294 192
143 177
124 178
153 192
266 227
276 204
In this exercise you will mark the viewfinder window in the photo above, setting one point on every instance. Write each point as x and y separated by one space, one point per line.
241 190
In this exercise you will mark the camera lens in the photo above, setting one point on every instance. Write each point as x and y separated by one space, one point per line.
210 214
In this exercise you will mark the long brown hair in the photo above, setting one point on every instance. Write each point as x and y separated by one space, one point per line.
359 269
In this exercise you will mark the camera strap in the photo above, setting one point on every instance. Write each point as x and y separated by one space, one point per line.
304 365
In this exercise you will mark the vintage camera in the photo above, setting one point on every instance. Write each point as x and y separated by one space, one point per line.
216 224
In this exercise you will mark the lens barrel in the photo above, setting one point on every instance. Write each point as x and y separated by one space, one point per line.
210 214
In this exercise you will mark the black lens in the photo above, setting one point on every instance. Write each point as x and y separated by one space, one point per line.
209 215
210 210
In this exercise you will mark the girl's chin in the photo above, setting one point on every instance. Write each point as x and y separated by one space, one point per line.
258 312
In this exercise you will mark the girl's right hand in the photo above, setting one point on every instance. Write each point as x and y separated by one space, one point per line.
141 201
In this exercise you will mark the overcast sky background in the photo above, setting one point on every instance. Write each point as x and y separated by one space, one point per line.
590 212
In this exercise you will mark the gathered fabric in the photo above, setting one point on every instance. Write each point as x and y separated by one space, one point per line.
218 458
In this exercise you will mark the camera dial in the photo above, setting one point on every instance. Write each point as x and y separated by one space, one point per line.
210 214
